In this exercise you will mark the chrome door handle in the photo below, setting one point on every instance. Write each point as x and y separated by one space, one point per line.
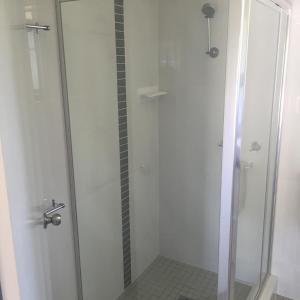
54 219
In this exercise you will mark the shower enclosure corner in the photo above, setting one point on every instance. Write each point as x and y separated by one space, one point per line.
159 144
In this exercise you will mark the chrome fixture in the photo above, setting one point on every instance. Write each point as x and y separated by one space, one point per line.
37 27
54 219
209 13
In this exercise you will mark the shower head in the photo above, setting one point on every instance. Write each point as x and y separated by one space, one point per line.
208 10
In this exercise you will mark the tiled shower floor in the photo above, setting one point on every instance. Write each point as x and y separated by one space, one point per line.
166 279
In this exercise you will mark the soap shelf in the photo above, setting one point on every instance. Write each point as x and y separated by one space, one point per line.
151 93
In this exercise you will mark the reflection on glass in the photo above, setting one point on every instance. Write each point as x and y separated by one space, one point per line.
33 60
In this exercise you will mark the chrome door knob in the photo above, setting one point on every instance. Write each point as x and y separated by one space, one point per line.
50 217
56 219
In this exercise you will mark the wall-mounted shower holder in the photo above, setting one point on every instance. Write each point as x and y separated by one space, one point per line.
209 13
37 27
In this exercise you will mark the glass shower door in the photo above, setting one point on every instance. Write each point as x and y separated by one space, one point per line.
260 134
144 113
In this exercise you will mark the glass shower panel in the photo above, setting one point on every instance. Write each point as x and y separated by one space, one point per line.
259 144
146 105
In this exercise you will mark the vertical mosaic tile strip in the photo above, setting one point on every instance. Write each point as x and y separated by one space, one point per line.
123 137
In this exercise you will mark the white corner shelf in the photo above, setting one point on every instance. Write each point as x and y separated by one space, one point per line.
151 93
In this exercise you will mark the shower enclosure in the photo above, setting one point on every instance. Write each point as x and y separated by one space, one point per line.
155 126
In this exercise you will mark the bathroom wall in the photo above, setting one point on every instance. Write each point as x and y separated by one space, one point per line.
92 90
286 260
141 40
174 140
190 131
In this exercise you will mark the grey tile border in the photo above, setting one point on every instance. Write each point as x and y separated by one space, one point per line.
123 137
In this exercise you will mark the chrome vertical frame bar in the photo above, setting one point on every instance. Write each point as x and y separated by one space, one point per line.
238 28
68 137
257 289
286 12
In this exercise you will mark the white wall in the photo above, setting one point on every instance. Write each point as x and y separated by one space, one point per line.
165 47
89 41
190 129
162 33
141 41
286 259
